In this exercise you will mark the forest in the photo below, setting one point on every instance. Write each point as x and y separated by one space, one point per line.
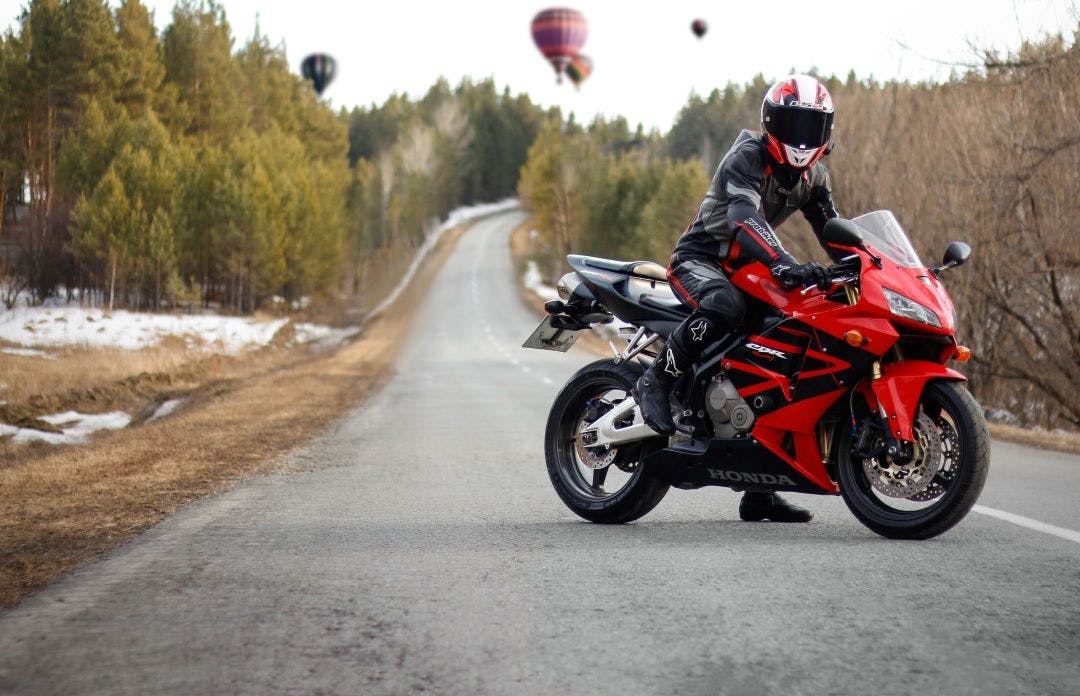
150 170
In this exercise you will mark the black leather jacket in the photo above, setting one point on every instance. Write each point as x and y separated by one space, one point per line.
749 196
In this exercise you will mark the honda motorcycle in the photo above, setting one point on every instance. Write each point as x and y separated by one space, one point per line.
839 388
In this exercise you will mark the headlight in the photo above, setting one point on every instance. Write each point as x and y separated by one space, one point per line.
567 284
908 308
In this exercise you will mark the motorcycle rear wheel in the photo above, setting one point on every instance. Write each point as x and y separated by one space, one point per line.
962 458
580 475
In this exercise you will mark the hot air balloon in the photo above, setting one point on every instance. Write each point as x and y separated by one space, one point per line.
579 68
319 68
699 27
559 33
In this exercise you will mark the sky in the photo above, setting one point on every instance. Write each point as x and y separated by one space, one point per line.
646 60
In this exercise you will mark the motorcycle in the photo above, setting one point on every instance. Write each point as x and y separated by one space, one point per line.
839 388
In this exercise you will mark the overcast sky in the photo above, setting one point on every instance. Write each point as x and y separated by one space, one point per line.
646 61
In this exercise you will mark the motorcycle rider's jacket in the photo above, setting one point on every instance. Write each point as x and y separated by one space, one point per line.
750 195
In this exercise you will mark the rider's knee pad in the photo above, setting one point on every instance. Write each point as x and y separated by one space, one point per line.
723 305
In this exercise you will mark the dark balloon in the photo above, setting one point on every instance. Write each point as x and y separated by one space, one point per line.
559 33
699 27
319 68
579 68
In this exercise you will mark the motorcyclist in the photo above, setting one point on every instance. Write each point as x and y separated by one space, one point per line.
760 182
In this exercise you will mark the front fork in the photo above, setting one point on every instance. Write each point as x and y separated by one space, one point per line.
893 392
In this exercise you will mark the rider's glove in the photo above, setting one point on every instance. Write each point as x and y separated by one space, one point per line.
802 274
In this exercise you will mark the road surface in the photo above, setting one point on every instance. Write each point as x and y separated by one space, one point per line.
419 548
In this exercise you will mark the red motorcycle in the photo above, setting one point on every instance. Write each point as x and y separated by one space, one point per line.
842 388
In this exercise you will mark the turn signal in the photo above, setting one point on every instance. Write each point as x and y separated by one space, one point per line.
855 338
962 354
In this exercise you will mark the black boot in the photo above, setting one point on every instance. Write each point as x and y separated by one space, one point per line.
653 390
763 505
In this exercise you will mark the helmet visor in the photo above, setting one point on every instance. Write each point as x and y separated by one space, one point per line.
801 128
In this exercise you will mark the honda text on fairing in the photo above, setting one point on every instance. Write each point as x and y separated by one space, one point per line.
837 388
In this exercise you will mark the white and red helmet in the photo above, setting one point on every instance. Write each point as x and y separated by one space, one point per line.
797 119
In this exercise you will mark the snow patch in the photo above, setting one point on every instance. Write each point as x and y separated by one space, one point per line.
77 427
28 353
535 284
324 336
1000 415
97 328
165 409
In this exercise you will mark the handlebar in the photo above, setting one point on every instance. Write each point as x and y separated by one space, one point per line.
840 273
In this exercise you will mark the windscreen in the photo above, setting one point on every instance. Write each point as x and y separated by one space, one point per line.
883 232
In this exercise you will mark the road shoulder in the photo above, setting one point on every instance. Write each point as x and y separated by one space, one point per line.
72 504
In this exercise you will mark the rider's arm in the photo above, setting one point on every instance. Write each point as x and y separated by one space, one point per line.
819 207
754 239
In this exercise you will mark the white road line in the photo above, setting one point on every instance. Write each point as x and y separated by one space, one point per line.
1038 526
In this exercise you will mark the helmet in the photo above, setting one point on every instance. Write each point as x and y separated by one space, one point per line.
796 117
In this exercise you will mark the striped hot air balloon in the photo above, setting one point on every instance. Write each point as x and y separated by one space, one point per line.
579 68
559 33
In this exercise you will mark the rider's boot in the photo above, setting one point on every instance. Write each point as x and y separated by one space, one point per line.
765 505
653 389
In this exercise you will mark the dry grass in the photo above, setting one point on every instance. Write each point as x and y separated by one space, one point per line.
1060 441
26 377
61 506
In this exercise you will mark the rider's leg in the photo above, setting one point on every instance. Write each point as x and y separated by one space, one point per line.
718 308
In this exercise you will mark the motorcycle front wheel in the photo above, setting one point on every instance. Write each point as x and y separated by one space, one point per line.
929 494
606 486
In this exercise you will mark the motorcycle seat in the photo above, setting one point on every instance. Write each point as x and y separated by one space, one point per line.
668 304
642 269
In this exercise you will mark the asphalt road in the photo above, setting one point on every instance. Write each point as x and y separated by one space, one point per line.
419 548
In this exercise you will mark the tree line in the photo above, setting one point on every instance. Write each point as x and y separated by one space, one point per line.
991 156
148 169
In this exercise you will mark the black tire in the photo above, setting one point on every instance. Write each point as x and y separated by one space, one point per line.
607 383
958 422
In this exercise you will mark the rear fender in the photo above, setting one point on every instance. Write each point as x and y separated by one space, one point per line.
900 388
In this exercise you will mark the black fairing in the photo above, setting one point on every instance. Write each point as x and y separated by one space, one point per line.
740 462
804 361
624 288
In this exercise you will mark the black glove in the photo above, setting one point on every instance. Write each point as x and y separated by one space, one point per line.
802 274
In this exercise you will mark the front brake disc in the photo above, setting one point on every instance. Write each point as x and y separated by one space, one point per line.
909 479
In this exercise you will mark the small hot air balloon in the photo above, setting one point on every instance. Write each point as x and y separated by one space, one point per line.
579 68
559 33
319 68
699 27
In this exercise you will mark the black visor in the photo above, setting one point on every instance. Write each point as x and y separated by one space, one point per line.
798 127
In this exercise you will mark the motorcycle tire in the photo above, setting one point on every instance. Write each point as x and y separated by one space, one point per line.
583 486
964 461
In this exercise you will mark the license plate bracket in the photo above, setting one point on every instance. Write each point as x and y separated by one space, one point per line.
551 336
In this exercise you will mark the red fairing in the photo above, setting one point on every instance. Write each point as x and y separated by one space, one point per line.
801 419
900 388
896 393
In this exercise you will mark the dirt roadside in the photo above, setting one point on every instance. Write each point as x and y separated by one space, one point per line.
60 507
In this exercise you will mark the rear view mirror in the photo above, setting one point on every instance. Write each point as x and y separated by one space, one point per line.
842 233
955 254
